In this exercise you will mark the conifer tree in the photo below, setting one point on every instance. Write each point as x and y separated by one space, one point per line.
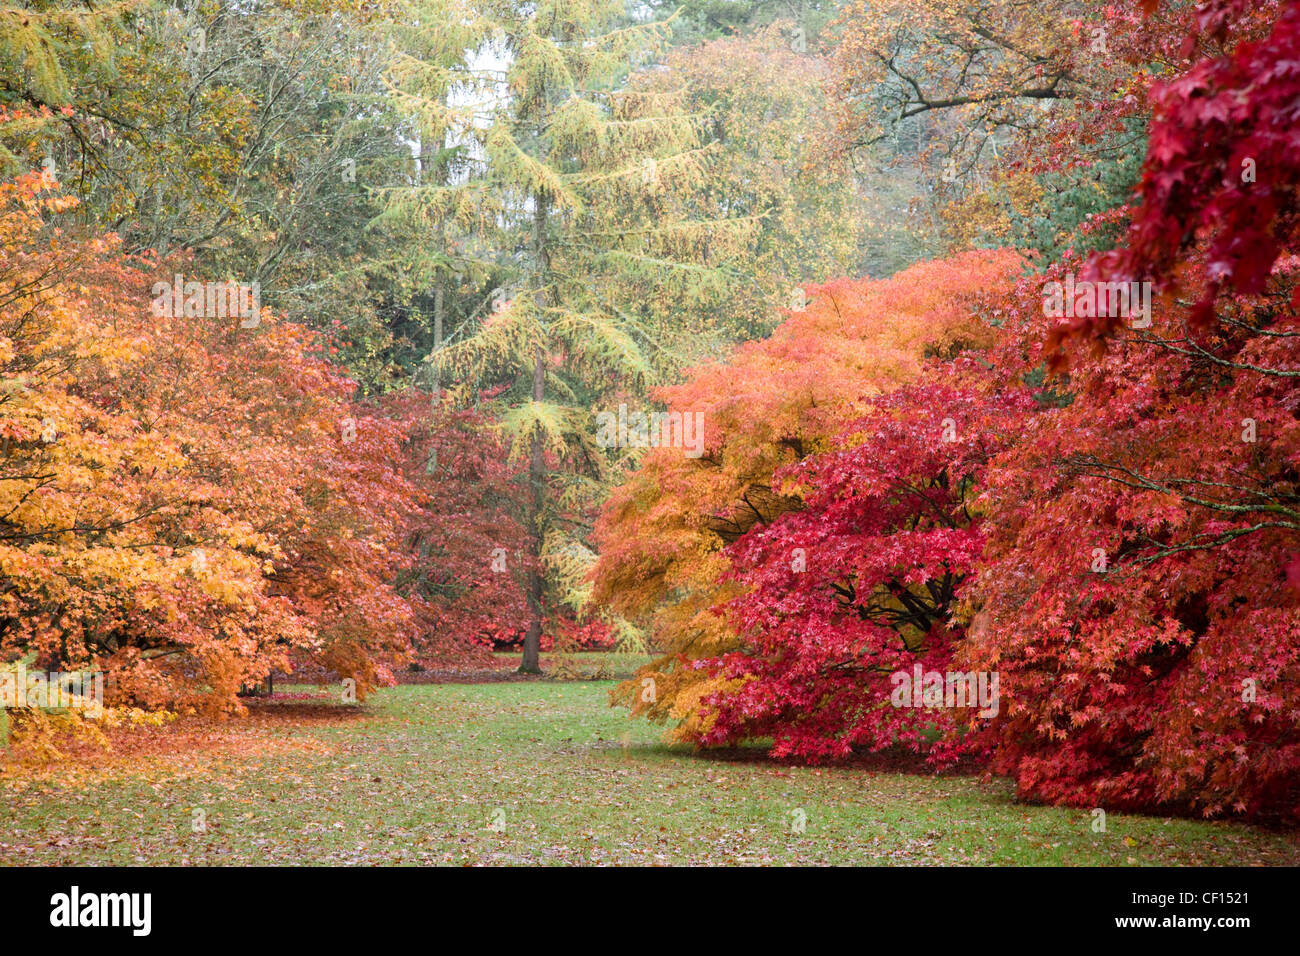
574 202
41 45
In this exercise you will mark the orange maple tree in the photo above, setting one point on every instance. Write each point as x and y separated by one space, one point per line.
187 503
775 402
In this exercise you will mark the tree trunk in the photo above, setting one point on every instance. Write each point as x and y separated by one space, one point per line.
438 309
431 466
537 479
537 459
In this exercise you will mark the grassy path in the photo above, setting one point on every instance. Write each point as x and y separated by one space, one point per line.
424 774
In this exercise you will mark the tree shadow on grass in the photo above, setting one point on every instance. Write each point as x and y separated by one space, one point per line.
280 710
896 760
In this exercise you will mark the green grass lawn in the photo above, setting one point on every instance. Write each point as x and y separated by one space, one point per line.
422 773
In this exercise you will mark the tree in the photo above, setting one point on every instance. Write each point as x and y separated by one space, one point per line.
862 583
993 64
188 500
1221 173
571 202
466 497
699 21
774 403
811 208
249 135
1017 112
1136 599
41 45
